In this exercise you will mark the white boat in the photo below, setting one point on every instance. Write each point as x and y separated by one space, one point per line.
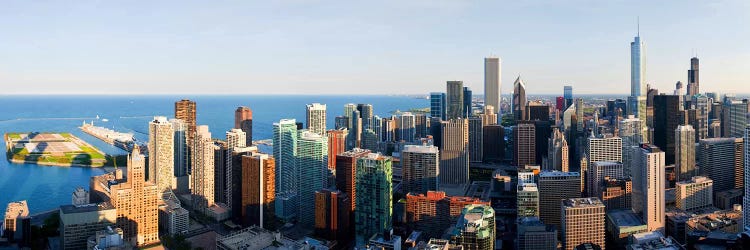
105 120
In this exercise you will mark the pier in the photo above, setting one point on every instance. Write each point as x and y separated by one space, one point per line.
125 141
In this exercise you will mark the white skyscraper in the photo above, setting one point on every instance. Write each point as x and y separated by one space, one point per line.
236 138
203 169
161 153
405 128
492 80
316 118
648 186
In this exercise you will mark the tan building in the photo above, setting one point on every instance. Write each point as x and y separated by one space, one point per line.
582 222
78 223
136 202
203 170
161 153
258 189
186 110
694 194
454 155
617 193
14 214
316 118
243 119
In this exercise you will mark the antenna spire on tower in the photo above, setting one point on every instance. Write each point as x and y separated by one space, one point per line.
638 26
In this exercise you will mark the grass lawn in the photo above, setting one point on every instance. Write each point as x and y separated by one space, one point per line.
86 156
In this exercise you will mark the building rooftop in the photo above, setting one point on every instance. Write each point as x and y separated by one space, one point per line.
71 209
420 149
583 202
545 174
17 209
653 241
625 219
257 238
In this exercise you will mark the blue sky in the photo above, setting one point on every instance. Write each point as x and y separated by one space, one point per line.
363 47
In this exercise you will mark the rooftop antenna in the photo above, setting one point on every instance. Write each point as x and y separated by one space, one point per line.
638 26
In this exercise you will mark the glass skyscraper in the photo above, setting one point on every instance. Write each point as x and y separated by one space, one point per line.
285 153
437 105
374 193
312 160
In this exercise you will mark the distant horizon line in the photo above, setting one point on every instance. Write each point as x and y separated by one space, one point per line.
294 94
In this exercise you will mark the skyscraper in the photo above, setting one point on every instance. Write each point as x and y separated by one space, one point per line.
467 110
181 155
649 186
568 95
519 100
475 228
336 146
243 119
455 99
524 138
493 143
136 203
285 154
684 152
420 125
420 168
722 161
312 164
637 98
693 86
185 110
316 118
734 114
161 153
346 173
746 178
475 139
557 155
555 186
374 193
667 110
236 138
203 170
582 222
405 127
437 105
527 200
332 213
630 132
608 148
454 155
598 171
617 193
258 190
366 113
492 86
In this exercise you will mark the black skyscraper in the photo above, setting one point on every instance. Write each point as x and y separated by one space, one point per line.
667 116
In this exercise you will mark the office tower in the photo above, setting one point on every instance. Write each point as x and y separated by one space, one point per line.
666 113
135 201
746 178
630 131
519 100
601 149
349 108
559 103
203 170
374 193
568 95
535 235
316 118
722 161
569 118
455 100
648 186
369 140
475 228
493 143
222 170
377 124
346 172
694 194
185 110
336 146
524 138
617 193
332 211
685 152
181 156
492 87
420 167
405 127
243 119
366 113
700 120
341 122
537 111
312 164
388 129
595 175
161 153
467 110
78 223
285 154
557 155
475 139
582 222
420 126
489 116
454 155
354 139
693 85
437 105
527 200
433 212
553 187
579 115
258 190
734 116
15 213
678 88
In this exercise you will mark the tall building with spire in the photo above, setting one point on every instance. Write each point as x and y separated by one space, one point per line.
243 119
519 100
693 85
492 79
316 118
161 153
637 98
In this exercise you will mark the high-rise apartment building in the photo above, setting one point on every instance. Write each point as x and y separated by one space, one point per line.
433 212
527 200
475 139
405 127
346 173
181 156
454 155
475 228
243 119
374 207
519 100
420 166
637 98
258 190
524 138
185 110
316 118
685 152
332 213
492 75
649 186
694 194
582 222
136 203
336 146
555 186
312 164
693 85
203 170
722 161
161 153
366 113
236 138
437 105
13 227
455 99
285 154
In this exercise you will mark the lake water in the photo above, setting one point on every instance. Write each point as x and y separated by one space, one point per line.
47 188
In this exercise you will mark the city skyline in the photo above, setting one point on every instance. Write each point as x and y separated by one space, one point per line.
321 49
